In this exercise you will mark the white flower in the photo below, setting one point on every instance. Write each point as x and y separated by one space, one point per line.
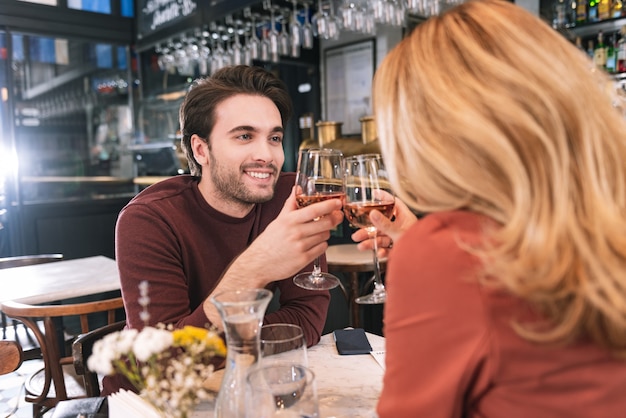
151 341
125 341
101 358
170 379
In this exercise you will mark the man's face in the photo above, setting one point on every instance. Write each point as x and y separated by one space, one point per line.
246 152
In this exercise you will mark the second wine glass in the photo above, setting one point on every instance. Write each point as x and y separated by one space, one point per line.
319 177
367 188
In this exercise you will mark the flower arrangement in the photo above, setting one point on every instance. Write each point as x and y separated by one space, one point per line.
167 366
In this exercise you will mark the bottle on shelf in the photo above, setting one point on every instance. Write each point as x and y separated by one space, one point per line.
621 51
611 57
559 17
617 9
604 9
592 11
599 52
581 12
590 52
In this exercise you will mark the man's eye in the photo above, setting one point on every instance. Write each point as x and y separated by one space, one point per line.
244 136
276 139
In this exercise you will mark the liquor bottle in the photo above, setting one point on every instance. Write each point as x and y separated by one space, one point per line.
611 57
590 49
581 12
616 8
570 14
621 51
579 43
604 9
558 14
599 52
592 11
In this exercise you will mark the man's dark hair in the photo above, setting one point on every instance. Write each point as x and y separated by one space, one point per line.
197 112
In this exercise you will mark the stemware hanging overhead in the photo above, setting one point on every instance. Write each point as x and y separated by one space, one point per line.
307 29
273 35
283 36
236 46
295 32
254 43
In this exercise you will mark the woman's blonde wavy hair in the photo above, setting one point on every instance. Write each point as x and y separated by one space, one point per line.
486 108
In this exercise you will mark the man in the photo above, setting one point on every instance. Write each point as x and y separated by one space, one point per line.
233 223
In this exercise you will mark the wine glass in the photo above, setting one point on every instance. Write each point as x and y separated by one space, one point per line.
283 36
295 31
283 344
367 188
319 177
307 29
281 390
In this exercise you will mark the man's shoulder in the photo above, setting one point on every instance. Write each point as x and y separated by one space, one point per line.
165 189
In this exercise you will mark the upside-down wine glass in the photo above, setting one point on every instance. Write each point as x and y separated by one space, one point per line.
307 29
319 177
367 188
295 31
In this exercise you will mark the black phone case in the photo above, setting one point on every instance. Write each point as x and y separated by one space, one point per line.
352 341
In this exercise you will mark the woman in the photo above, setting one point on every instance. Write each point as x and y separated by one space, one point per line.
509 298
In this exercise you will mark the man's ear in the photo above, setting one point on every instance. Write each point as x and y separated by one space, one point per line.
200 149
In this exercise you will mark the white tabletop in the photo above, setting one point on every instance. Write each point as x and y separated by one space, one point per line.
347 386
65 279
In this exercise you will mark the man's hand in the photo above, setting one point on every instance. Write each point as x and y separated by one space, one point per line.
387 230
289 243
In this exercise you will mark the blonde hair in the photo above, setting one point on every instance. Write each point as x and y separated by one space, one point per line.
486 108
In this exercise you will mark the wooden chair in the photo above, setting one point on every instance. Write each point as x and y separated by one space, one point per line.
54 383
20 261
82 347
10 356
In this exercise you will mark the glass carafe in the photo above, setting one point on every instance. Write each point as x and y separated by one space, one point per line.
242 313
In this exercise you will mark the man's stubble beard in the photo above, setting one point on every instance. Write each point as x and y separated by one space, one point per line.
229 187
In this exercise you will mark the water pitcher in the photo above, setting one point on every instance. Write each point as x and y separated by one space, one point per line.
242 312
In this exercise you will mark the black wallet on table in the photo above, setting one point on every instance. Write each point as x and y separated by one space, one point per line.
352 341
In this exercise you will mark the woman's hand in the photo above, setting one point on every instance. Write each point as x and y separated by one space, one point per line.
387 231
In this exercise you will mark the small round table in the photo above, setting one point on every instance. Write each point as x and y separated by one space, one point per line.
346 258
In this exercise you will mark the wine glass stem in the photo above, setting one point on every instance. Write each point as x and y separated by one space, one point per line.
378 284
317 270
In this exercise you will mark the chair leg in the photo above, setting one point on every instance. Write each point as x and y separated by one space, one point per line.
354 293
4 326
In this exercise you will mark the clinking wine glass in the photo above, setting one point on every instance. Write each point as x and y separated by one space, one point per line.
367 188
319 177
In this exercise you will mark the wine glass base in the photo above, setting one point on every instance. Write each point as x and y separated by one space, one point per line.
324 281
372 299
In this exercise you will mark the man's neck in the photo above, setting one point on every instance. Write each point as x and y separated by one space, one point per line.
224 204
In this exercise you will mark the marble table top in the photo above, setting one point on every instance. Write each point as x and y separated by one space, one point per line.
65 279
348 386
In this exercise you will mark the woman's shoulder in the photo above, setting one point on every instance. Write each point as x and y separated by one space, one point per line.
449 224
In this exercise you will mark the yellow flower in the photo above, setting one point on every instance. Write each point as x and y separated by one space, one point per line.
189 335
217 344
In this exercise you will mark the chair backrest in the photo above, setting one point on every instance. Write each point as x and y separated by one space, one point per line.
29 260
82 347
10 356
48 340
